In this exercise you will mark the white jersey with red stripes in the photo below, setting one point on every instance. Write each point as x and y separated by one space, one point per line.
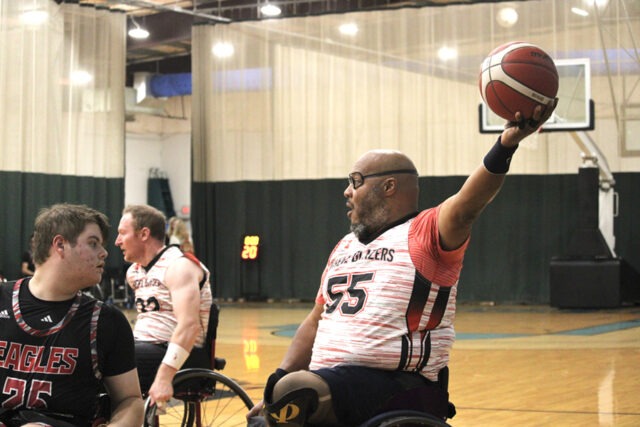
390 303
155 321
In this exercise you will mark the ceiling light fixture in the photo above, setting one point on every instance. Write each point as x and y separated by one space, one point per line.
34 17
349 29
138 32
80 77
507 17
270 10
447 53
579 12
223 49
594 4
601 3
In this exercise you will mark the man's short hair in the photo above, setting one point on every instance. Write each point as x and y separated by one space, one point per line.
150 217
66 220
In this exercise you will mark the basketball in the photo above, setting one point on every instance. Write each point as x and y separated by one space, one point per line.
517 76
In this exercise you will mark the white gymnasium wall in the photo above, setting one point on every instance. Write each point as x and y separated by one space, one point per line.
176 162
169 153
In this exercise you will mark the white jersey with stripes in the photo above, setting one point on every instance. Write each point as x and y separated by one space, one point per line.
155 321
390 303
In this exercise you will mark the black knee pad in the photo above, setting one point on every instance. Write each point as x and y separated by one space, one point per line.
292 409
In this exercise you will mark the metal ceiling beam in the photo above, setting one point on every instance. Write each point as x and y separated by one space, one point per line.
159 7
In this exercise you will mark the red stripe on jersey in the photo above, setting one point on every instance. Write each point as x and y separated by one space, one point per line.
439 307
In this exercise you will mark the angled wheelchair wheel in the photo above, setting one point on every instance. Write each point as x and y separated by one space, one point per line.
201 397
405 418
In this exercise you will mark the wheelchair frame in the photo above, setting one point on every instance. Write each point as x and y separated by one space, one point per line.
202 397
405 418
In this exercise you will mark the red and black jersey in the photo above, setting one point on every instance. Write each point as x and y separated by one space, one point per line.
50 357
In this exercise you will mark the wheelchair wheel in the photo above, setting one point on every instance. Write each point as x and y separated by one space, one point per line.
405 418
201 397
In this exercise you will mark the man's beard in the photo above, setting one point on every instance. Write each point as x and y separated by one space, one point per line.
373 216
361 231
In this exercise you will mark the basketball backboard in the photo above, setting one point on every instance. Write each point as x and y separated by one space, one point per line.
575 108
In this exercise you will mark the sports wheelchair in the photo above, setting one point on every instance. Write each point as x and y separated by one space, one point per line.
202 397
406 417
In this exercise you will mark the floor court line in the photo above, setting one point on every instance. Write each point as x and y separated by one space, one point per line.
505 359
289 330
542 411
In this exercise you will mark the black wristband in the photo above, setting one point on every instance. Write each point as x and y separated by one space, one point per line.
498 158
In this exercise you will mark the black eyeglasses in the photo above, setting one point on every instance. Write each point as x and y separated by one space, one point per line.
356 179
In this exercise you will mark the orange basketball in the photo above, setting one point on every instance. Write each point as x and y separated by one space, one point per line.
517 76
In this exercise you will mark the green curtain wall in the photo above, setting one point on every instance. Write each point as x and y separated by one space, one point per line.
299 222
24 194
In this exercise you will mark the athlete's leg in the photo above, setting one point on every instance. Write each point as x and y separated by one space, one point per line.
148 358
359 393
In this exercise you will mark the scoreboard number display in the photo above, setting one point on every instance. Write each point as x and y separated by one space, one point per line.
250 247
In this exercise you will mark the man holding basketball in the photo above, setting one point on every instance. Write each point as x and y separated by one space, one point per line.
382 327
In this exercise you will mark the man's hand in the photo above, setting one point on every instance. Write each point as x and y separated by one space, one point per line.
256 410
162 388
514 132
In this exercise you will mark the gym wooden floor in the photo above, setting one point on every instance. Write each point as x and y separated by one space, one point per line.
510 365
